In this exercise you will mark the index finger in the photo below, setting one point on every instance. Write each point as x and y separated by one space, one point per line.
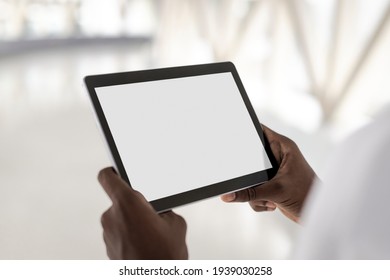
266 191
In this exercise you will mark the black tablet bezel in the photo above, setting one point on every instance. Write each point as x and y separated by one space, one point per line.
170 202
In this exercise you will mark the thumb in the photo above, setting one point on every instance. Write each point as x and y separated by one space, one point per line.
113 185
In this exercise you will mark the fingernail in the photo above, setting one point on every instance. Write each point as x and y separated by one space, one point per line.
113 170
229 197
271 208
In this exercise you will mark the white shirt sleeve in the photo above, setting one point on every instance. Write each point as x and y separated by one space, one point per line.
348 215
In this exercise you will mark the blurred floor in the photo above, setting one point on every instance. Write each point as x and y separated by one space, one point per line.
51 151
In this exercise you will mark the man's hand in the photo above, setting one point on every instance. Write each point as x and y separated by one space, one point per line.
132 228
290 186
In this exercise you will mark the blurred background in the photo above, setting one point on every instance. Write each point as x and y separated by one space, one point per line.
314 70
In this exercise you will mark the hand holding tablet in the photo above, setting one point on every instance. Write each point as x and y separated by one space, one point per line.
181 134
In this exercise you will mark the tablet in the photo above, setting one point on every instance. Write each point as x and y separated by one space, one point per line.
181 134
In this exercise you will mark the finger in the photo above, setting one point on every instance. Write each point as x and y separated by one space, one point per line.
176 221
172 216
122 194
115 187
229 197
240 196
105 218
105 221
270 204
107 244
166 213
270 134
260 206
279 143
111 182
274 139
267 191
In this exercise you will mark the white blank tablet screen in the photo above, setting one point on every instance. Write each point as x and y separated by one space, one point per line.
180 134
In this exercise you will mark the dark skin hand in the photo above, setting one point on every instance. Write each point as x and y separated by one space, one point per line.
290 186
132 228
